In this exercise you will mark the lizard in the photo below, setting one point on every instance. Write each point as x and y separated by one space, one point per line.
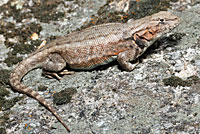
92 47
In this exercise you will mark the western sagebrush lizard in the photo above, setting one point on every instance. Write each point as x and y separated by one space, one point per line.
92 47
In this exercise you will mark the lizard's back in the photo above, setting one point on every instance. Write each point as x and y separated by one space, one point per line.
89 36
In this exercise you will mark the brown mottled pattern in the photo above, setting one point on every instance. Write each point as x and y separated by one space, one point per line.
92 47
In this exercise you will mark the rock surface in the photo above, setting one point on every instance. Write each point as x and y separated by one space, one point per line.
107 100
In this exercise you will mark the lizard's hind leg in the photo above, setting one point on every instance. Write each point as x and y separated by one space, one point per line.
54 65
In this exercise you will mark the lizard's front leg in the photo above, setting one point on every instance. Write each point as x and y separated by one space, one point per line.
54 66
125 57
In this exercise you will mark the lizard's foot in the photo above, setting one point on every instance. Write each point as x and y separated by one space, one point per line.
135 64
51 75
66 72
56 74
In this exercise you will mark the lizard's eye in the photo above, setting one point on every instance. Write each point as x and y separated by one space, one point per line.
162 21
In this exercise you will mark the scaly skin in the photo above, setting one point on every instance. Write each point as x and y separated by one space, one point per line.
92 47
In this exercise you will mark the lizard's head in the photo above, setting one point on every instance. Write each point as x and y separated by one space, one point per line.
158 24
164 21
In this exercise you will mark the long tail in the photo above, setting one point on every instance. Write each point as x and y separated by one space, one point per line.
15 81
